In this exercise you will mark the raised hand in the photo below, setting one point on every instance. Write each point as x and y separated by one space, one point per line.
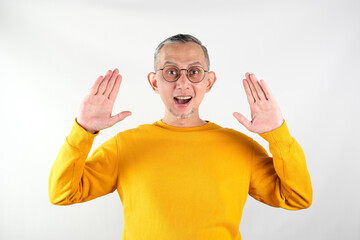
265 112
95 111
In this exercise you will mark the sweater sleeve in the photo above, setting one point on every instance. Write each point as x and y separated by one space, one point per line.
283 180
75 178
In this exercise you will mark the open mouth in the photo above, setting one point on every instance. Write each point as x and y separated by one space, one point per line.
182 100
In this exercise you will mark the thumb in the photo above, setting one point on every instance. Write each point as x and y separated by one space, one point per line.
242 119
119 117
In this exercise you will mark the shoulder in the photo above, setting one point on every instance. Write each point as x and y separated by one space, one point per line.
230 132
141 129
233 137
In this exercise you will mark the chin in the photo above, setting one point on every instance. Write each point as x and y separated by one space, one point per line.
184 115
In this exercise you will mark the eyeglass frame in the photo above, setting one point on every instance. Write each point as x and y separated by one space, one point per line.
180 69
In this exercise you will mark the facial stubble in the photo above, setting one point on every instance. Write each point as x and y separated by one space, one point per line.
183 116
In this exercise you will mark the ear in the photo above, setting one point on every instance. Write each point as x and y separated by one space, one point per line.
210 81
153 81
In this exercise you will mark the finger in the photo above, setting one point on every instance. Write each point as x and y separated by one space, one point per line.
114 92
249 95
266 90
257 86
242 119
119 117
104 83
111 82
252 87
94 88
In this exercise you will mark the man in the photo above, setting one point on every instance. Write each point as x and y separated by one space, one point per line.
181 177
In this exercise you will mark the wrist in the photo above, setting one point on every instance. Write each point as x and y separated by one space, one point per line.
85 128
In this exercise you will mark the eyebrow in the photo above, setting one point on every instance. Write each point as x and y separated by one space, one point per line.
194 63
191 64
169 62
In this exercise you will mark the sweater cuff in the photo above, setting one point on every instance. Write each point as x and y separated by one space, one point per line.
80 138
278 135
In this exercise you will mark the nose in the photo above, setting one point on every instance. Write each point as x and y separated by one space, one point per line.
183 81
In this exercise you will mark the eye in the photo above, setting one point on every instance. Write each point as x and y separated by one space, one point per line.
194 71
173 71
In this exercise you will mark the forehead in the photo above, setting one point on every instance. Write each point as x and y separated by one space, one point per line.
182 54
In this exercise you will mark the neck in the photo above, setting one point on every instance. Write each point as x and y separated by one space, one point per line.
192 121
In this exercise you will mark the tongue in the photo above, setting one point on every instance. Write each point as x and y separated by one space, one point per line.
182 101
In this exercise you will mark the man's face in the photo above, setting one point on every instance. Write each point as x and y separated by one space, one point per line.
181 98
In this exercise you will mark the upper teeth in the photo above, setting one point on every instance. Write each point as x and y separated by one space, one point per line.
183 97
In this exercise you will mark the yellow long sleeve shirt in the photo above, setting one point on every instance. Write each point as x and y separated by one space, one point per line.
182 183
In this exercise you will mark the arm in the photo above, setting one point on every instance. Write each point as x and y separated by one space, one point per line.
76 178
73 177
283 180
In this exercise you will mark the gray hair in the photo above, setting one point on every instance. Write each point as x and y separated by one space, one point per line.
181 38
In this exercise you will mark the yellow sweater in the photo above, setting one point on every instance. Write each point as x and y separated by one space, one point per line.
182 183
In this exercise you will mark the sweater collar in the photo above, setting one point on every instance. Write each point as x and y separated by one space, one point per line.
207 126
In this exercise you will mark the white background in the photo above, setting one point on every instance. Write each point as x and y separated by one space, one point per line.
52 51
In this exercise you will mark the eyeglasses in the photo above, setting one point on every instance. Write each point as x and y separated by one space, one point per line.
195 74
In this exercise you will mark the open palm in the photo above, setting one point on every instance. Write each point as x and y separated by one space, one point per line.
265 112
95 111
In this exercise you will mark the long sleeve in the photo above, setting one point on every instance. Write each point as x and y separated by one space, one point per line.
283 180
75 178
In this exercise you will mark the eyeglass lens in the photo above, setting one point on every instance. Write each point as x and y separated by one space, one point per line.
194 74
